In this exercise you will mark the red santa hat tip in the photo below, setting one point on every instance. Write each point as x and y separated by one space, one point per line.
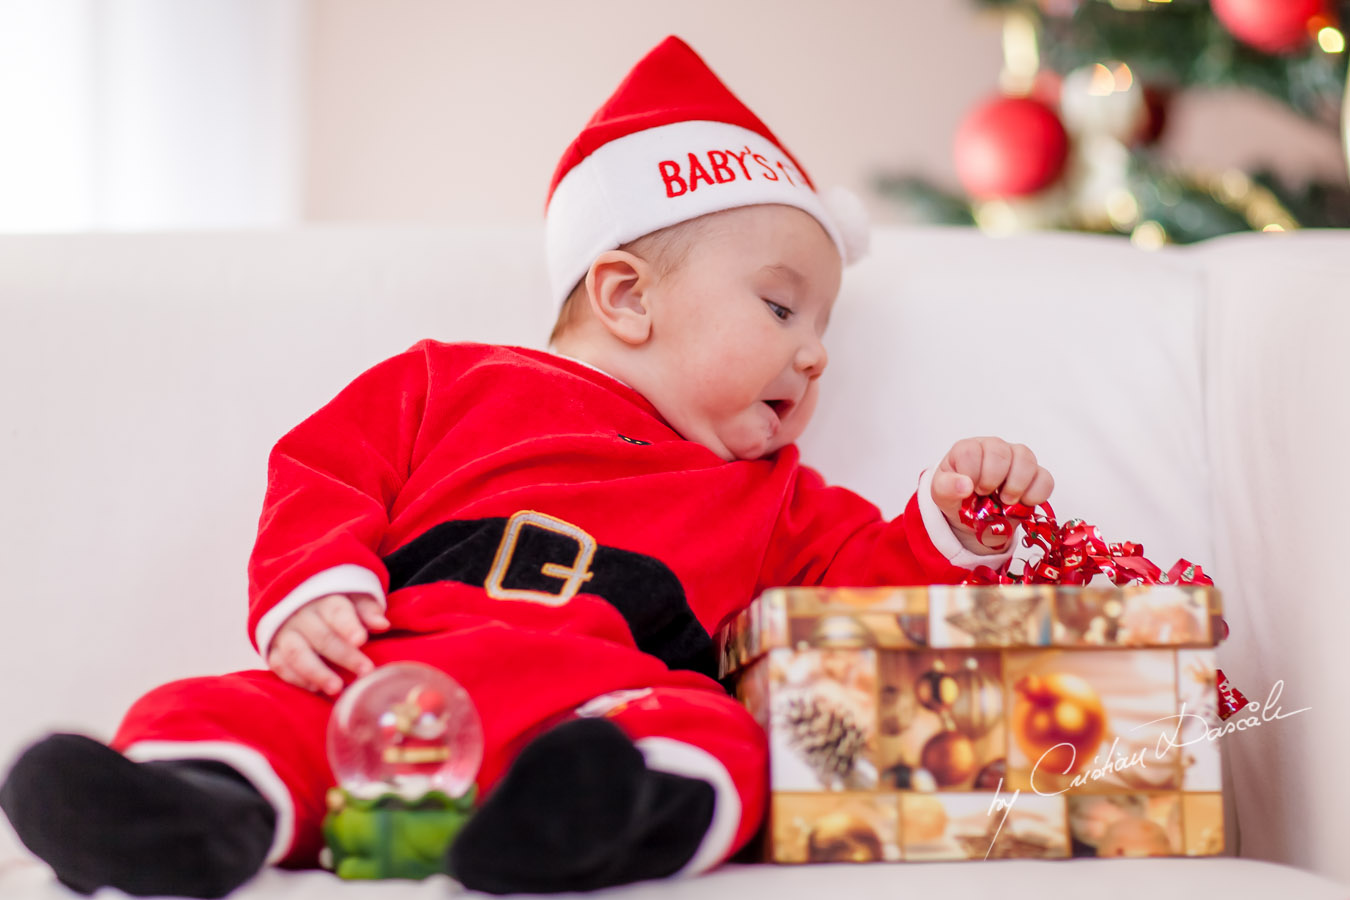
671 144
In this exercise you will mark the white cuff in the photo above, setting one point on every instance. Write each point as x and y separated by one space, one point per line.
348 578
945 540
247 762
678 758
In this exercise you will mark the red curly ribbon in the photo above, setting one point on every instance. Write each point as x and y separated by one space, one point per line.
1072 554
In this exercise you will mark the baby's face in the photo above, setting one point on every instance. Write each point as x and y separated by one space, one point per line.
736 348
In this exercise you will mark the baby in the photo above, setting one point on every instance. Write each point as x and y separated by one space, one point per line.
559 532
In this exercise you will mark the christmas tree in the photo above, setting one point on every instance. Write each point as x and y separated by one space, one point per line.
1072 139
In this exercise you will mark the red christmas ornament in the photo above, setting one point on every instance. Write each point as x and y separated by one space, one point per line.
1156 103
1010 147
1272 26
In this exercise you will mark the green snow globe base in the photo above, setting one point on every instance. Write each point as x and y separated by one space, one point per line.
390 836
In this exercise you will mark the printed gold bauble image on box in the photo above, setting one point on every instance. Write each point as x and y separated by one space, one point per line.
984 722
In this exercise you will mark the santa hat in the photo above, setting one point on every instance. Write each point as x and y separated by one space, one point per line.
672 144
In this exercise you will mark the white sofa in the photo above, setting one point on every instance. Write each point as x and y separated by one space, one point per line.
1193 400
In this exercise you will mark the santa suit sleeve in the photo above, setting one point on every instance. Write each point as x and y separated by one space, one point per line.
831 536
330 484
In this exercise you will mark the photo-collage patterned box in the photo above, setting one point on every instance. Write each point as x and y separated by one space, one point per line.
944 723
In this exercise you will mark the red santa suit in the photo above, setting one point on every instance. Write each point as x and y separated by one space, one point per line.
538 532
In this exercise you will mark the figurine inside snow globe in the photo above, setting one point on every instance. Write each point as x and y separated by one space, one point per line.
405 744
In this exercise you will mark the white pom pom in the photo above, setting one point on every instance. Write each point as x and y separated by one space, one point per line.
851 220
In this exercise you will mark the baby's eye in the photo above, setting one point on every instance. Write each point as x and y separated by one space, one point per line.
779 310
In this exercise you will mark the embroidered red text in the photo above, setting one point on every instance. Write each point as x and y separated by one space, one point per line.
713 167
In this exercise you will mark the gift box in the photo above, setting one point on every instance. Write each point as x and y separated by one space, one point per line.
984 722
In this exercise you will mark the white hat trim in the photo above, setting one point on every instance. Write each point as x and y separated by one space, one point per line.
658 177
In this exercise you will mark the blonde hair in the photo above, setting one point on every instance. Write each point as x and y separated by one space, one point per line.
666 250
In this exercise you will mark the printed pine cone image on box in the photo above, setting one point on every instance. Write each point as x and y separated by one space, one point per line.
942 723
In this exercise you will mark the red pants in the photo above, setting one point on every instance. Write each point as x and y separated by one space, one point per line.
521 682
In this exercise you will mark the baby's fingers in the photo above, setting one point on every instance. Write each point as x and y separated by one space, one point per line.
295 662
335 646
995 464
1040 489
950 488
338 613
371 613
1021 473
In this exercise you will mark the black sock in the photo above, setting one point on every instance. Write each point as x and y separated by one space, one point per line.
580 810
193 828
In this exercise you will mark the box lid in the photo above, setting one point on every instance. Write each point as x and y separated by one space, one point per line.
944 616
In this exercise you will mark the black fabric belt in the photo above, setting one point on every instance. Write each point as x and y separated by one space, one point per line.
535 557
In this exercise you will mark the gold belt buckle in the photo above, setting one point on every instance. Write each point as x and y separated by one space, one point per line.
574 576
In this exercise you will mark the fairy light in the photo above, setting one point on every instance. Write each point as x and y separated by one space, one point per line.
1021 53
996 217
1123 77
1257 204
1103 82
1149 235
1331 40
1123 209
1232 186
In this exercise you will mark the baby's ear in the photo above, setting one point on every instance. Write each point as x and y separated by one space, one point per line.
615 287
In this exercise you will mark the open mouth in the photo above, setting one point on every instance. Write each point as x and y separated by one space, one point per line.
780 407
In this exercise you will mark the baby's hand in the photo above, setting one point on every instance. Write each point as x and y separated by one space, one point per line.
324 633
980 466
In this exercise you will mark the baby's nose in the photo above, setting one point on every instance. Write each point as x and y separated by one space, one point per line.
812 358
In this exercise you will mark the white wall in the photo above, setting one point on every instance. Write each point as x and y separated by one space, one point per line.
459 109
163 114
199 112
46 129
150 114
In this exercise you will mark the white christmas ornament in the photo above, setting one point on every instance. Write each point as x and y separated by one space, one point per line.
1103 99
1098 176
406 729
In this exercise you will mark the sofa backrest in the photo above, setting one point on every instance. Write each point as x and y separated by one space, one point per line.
146 377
